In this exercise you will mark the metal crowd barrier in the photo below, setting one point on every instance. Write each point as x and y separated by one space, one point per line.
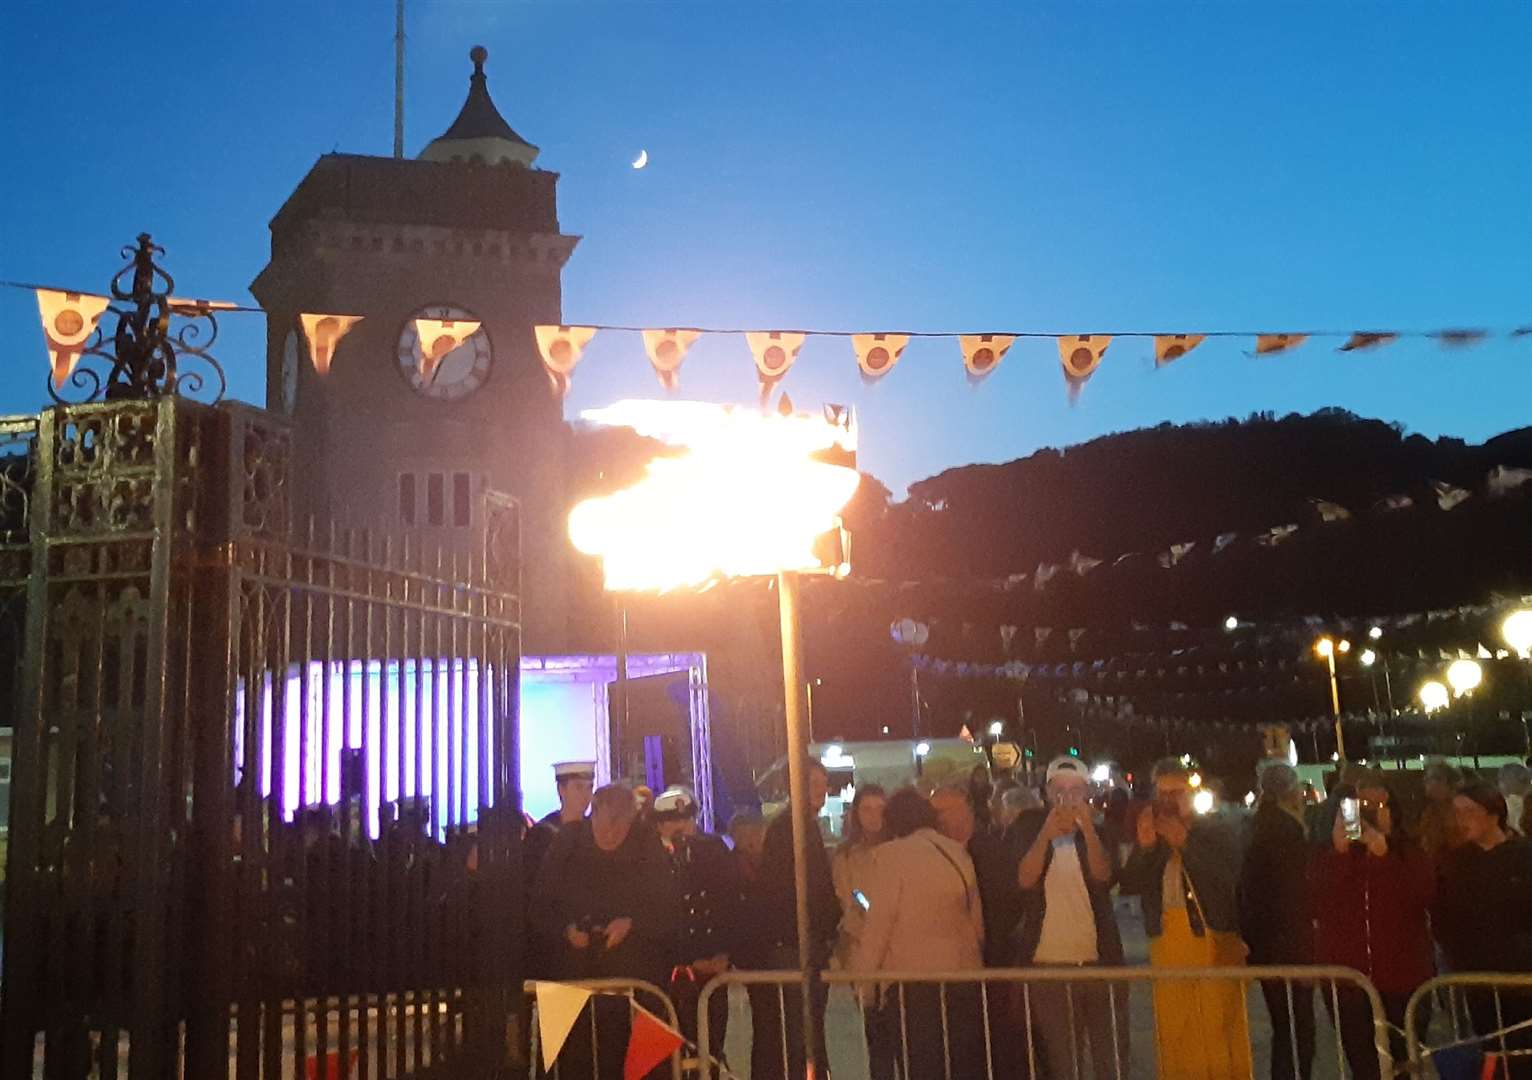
1001 1023
583 1049
1476 1023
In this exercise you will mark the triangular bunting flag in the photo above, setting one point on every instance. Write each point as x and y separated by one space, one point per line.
1504 479
558 1007
1460 338
982 353
666 349
1367 340
1082 564
1081 354
561 348
774 352
1007 635
435 338
183 305
1329 511
1176 553
1275 535
1270 344
965 734
1044 574
1040 634
323 333
1447 496
1169 347
651 1042
1390 503
69 319
876 354
1223 540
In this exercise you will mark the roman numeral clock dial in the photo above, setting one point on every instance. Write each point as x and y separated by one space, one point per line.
451 360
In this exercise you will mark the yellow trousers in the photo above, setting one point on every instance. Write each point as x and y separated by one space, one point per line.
1201 1029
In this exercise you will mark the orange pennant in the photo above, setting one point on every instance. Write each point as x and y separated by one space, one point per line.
876 354
651 1042
1168 347
69 319
1081 355
666 349
435 338
1270 344
323 333
982 353
561 348
774 352
1366 340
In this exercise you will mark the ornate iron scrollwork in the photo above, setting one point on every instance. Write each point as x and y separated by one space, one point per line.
147 353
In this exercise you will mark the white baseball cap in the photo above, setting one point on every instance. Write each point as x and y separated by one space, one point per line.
1067 764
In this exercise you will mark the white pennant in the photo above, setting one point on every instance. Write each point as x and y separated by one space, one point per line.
561 348
558 1007
323 333
69 319
435 338
666 349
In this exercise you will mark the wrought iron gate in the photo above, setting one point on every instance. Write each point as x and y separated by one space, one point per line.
265 818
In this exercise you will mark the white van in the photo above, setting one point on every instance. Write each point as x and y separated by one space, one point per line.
893 764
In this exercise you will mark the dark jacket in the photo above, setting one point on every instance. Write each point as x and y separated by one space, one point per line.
994 864
1034 903
1276 910
1482 915
1371 913
1211 859
706 879
582 886
779 911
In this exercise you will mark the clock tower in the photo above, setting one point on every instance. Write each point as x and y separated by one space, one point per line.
402 434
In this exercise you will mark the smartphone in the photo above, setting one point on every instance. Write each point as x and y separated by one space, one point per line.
1351 814
861 898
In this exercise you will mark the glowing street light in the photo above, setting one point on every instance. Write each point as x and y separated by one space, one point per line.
1367 657
1375 633
1464 676
1517 632
1433 696
755 494
997 728
1231 624
1202 802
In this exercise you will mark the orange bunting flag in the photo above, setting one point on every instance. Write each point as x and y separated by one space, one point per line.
1081 355
650 1042
1271 344
561 348
876 354
774 352
1168 347
323 333
69 319
435 338
1366 340
666 349
982 353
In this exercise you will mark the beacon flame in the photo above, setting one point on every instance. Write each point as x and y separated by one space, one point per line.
755 494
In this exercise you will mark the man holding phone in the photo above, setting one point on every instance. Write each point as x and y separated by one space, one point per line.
1185 870
1066 875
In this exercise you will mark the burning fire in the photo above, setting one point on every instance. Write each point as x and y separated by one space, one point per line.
751 497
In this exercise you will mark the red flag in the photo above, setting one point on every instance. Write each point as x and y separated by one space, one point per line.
651 1042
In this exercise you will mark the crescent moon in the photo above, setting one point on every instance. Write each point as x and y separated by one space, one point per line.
642 159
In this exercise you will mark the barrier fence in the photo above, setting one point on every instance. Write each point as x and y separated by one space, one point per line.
597 1044
1472 1024
1085 1023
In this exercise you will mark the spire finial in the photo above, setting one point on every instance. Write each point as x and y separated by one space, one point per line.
478 54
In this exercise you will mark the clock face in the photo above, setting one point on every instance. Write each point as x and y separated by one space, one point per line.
290 359
457 372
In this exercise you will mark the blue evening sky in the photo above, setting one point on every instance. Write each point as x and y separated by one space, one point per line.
861 166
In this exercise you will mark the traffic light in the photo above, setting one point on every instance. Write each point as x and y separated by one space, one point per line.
1074 751
1029 753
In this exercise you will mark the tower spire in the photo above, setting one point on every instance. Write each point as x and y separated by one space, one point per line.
480 133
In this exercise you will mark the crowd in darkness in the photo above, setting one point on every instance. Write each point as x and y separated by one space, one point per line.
949 881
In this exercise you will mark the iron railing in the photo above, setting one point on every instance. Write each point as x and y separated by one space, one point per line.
1473 1015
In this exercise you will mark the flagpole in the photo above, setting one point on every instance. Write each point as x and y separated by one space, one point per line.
798 797
399 78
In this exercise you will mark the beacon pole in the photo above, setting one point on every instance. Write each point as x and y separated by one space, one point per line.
798 797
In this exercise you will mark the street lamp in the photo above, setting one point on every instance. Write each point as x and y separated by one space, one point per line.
1326 647
1464 676
1517 632
1433 696
1231 624
756 494
997 728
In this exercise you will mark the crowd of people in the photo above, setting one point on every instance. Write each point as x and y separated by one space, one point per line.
952 881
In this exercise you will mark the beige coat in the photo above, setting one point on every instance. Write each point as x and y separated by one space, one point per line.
924 912
851 868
